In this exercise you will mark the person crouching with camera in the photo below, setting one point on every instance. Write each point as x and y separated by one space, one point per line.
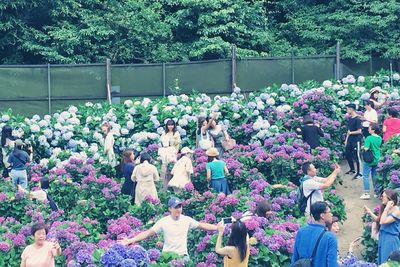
18 160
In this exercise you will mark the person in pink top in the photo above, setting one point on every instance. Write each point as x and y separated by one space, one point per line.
391 126
41 253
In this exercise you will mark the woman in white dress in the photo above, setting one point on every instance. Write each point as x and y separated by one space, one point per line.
109 144
170 141
182 170
145 174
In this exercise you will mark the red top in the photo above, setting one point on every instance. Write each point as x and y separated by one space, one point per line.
392 127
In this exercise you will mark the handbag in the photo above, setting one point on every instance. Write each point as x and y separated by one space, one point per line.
229 143
368 156
205 143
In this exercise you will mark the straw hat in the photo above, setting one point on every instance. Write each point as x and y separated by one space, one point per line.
186 150
212 152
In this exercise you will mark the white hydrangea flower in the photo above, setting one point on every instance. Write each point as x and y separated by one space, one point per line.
236 116
271 101
89 104
396 76
124 131
173 100
35 128
5 118
67 136
282 98
327 84
284 87
54 143
336 87
74 121
361 79
48 133
128 103
146 101
130 125
36 117
56 151
72 109
85 130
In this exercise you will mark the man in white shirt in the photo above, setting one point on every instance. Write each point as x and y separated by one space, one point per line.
312 184
174 227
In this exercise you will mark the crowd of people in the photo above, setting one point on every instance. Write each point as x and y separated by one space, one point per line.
315 243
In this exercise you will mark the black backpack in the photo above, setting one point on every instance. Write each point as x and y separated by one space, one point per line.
308 262
302 199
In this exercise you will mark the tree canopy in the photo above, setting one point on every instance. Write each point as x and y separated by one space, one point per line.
136 31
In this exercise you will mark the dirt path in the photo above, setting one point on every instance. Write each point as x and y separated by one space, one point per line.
353 226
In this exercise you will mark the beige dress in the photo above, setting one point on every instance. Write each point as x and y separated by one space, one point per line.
145 174
181 172
169 147
109 149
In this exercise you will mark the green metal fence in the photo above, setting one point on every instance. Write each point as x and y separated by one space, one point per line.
43 89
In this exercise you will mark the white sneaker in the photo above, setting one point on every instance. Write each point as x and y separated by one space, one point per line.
365 196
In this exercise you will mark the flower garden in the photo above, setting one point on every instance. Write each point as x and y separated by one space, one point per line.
94 214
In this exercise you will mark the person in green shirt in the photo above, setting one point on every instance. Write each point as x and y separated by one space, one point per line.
372 143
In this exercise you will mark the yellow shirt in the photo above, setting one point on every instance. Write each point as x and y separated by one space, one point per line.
235 260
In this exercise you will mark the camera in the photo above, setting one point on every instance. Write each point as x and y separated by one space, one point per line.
227 220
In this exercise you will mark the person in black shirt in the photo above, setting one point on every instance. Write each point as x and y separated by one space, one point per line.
353 140
310 132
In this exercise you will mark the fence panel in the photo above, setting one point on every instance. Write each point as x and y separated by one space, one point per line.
24 89
255 73
314 68
138 80
213 77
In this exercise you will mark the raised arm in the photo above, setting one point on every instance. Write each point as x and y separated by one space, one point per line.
370 213
138 238
207 226
331 178
218 245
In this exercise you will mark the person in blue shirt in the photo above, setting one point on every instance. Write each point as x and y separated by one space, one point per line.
306 239
216 172
18 160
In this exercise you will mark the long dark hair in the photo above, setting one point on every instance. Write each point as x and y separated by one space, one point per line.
144 157
200 124
372 95
170 122
238 238
391 196
211 158
6 133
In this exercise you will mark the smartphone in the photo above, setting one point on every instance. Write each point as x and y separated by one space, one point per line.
227 220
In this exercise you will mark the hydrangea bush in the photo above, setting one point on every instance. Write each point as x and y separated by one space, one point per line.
94 214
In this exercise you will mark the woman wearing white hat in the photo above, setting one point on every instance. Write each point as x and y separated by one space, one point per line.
182 170
217 171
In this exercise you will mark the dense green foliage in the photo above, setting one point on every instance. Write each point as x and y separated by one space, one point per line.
82 31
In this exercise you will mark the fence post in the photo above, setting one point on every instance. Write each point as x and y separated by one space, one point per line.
49 87
391 73
233 68
163 79
370 62
108 80
337 69
292 65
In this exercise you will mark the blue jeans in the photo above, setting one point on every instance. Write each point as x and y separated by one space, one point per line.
366 171
19 177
